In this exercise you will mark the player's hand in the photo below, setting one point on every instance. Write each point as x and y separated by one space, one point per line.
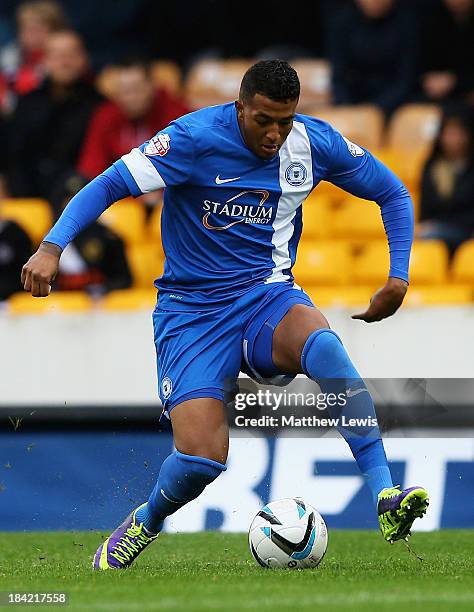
385 302
40 270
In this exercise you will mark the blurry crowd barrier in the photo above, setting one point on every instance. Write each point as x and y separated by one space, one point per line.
343 254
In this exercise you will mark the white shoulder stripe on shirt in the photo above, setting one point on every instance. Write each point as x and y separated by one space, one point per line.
143 171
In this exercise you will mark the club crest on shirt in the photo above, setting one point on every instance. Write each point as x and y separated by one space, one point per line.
166 387
296 174
354 149
158 145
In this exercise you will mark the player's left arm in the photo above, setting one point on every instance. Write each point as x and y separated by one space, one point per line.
357 171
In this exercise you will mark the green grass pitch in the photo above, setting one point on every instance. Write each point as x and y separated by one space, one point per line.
214 571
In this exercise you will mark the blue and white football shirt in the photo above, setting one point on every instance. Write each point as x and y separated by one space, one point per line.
232 220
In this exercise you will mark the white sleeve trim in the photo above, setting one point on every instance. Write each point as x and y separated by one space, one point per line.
143 171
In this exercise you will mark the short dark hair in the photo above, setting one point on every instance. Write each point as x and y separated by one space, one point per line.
274 79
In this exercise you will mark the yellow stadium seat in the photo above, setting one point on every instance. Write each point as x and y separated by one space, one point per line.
317 215
416 199
67 301
371 266
414 127
358 220
330 191
407 164
361 124
129 299
323 263
215 81
462 269
428 262
315 77
127 219
343 296
154 225
167 74
34 216
442 295
146 263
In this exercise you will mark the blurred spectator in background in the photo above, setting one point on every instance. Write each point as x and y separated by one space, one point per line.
15 249
3 158
48 126
22 61
373 52
136 112
447 188
95 261
448 51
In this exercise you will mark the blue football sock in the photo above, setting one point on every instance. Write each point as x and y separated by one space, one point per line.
325 360
182 478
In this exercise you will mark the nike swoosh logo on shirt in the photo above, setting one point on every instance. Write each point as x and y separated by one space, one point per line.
220 181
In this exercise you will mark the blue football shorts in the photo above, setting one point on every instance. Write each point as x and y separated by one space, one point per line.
201 352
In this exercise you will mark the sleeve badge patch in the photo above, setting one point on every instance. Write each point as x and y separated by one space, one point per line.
158 145
354 149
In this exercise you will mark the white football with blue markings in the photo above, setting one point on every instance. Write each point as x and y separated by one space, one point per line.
288 533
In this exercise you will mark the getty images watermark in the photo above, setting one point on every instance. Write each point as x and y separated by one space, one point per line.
303 408
279 409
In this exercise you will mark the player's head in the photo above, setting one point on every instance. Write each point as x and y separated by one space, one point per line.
266 107
133 89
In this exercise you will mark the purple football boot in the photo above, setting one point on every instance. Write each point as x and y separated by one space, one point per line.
398 509
124 545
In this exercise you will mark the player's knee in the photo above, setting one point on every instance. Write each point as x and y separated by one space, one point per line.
214 450
292 333
324 349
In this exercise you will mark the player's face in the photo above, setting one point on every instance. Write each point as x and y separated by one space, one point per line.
265 124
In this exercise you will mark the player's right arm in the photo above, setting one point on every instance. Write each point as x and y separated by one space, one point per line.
165 160
85 207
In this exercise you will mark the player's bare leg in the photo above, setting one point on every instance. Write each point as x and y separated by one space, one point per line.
304 343
201 436
200 428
